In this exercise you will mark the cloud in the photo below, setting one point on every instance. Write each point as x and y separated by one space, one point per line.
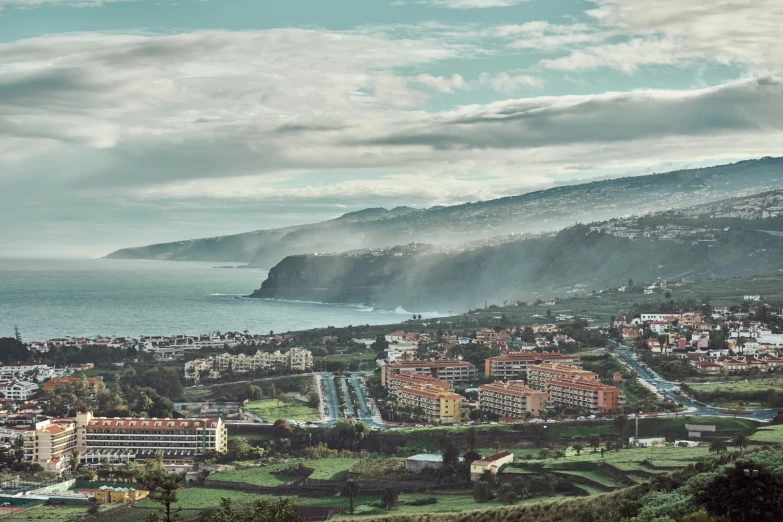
508 84
748 106
735 32
60 3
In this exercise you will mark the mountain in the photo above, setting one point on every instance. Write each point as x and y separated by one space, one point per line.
734 238
545 210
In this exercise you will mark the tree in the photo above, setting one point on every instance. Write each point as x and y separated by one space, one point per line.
239 448
740 442
744 493
281 510
281 428
488 477
578 447
507 494
73 460
482 492
389 497
543 453
472 438
620 423
718 446
162 486
595 442
350 489
93 510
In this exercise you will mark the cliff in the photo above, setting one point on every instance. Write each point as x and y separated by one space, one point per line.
462 280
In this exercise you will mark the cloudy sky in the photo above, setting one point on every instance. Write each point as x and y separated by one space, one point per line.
130 122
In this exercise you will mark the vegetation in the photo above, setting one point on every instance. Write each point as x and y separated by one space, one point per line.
278 409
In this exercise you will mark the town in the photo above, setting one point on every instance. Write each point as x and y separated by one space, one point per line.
84 419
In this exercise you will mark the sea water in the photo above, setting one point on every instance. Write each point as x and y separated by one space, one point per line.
102 297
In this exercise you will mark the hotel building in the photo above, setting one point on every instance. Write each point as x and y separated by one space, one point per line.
511 399
590 395
401 380
512 366
117 440
538 374
437 405
445 370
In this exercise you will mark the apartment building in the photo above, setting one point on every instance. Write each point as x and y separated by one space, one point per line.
197 368
538 374
437 405
592 396
450 370
51 443
511 399
400 380
295 359
18 390
513 366
117 440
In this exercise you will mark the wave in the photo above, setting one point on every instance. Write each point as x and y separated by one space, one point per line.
228 295
401 310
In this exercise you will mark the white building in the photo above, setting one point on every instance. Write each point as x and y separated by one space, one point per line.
18 390
295 359
660 317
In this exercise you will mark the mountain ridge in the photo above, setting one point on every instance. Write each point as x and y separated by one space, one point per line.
536 211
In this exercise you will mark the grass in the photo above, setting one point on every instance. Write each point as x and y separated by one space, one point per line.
260 476
740 386
631 459
273 409
200 498
50 514
594 476
769 434
330 469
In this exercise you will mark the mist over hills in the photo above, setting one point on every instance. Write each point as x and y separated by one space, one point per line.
545 210
737 237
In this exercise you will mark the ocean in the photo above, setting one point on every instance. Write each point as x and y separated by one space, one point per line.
102 297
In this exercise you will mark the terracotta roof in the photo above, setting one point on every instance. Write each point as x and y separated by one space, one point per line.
582 385
420 364
156 424
518 391
431 394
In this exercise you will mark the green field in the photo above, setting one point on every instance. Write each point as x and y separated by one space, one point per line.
325 469
740 386
769 434
273 409
49 514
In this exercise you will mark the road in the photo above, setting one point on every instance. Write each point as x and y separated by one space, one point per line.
367 412
666 388
332 401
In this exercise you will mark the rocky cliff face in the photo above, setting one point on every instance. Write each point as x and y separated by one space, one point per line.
523 269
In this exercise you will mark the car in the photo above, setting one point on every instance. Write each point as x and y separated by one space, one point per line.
493 422
581 418
419 426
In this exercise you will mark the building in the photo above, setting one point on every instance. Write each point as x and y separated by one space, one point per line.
400 380
511 399
437 405
295 359
707 367
18 390
592 396
117 440
444 370
51 443
538 374
28 371
513 366
492 463
197 368
668 317
107 495
93 383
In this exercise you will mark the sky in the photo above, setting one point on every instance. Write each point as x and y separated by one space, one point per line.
130 122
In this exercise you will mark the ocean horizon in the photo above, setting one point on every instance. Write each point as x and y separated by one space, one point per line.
49 298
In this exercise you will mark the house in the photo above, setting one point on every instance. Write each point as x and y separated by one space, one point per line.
492 463
107 495
425 461
395 337
707 367
18 390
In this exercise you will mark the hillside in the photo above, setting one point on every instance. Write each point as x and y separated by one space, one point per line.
545 210
667 246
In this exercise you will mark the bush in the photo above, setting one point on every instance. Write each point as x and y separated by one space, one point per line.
423 501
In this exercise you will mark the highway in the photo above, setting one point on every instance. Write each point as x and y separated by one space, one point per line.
666 388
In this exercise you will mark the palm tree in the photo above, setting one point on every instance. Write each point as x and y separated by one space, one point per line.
578 447
488 477
549 484
595 442
73 460
389 497
620 423
718 446
472 438
350 490
482 492
740 442
543 453
507 494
